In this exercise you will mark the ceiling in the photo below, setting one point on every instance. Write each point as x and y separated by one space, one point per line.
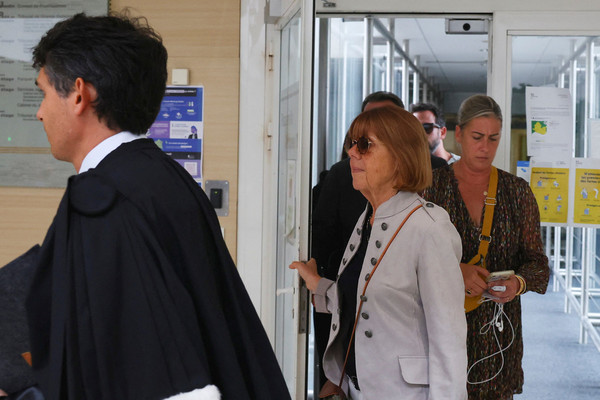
459 62
453 62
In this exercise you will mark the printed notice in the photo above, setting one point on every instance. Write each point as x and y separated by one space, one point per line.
586 193
550 185
22 24
20 98
549 122
179 127
50 8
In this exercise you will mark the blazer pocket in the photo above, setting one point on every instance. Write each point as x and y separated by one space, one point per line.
414 369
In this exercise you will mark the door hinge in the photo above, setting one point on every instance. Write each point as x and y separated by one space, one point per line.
269 135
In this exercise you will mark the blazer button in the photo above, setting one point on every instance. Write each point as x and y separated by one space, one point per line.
344 261
334 327
368 334
384 226
358 230
363 298
378 244
339 310
352 247
367 276
373 261
430 205
365 315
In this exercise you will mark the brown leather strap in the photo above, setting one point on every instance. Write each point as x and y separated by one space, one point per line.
27 357
490 202
365 289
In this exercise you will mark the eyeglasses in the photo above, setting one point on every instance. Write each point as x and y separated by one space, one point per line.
363 144
428 126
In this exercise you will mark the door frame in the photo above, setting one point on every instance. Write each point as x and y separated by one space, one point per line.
259 156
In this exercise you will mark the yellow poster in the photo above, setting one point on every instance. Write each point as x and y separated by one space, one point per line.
551 189
586 204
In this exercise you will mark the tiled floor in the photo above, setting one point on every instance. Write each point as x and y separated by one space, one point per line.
556 366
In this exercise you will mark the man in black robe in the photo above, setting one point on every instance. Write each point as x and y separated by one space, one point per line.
135 294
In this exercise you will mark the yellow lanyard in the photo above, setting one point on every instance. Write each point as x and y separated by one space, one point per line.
485 237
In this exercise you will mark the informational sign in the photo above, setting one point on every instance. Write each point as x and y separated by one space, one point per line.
51 8
179 127
19 97
25 159
550 185
523 170
22 24
586 192
549 122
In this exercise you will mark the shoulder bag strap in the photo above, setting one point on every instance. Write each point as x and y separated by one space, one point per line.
485 237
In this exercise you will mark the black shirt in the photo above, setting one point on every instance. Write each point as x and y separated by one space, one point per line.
348 286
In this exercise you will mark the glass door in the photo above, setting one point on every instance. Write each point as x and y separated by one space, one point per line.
292 142
286 320
561 52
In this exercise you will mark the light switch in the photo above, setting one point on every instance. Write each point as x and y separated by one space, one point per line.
180 76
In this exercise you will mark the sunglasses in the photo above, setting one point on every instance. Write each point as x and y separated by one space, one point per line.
428 126
362 144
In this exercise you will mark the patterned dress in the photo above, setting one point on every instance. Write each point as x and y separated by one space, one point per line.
516 244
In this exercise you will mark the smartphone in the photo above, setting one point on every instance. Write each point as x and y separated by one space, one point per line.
500 275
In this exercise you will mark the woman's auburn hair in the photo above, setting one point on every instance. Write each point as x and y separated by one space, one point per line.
405 138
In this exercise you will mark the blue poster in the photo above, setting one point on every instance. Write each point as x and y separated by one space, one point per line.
179 127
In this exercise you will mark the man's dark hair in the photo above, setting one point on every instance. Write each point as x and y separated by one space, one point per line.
419 107
381 96
123 58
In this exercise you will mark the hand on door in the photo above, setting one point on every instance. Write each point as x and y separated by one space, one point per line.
308 272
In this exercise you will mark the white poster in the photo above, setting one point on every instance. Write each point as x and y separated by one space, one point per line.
549 122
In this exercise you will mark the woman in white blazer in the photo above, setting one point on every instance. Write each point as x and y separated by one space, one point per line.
410 336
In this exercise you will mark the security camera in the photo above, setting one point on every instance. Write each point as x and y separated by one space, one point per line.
467 26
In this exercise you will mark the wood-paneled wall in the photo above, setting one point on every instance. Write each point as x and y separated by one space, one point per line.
202 36
25 215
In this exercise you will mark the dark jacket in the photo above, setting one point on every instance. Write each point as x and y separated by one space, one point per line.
15 279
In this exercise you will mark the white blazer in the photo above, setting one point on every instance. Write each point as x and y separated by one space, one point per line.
410 341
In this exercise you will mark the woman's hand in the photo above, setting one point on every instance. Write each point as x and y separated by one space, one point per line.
308 272
3 393
474 278
512 285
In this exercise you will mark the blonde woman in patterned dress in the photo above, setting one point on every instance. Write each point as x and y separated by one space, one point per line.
516 244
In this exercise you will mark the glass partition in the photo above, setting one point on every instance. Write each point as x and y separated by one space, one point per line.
415 58
564 62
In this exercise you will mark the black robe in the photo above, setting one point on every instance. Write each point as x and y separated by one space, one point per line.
136 295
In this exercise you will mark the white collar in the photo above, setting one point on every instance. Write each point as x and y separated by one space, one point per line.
104 148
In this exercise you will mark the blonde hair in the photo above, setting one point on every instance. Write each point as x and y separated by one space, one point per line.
476 106
403 135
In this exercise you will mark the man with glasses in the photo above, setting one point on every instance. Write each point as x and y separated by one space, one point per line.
433 122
